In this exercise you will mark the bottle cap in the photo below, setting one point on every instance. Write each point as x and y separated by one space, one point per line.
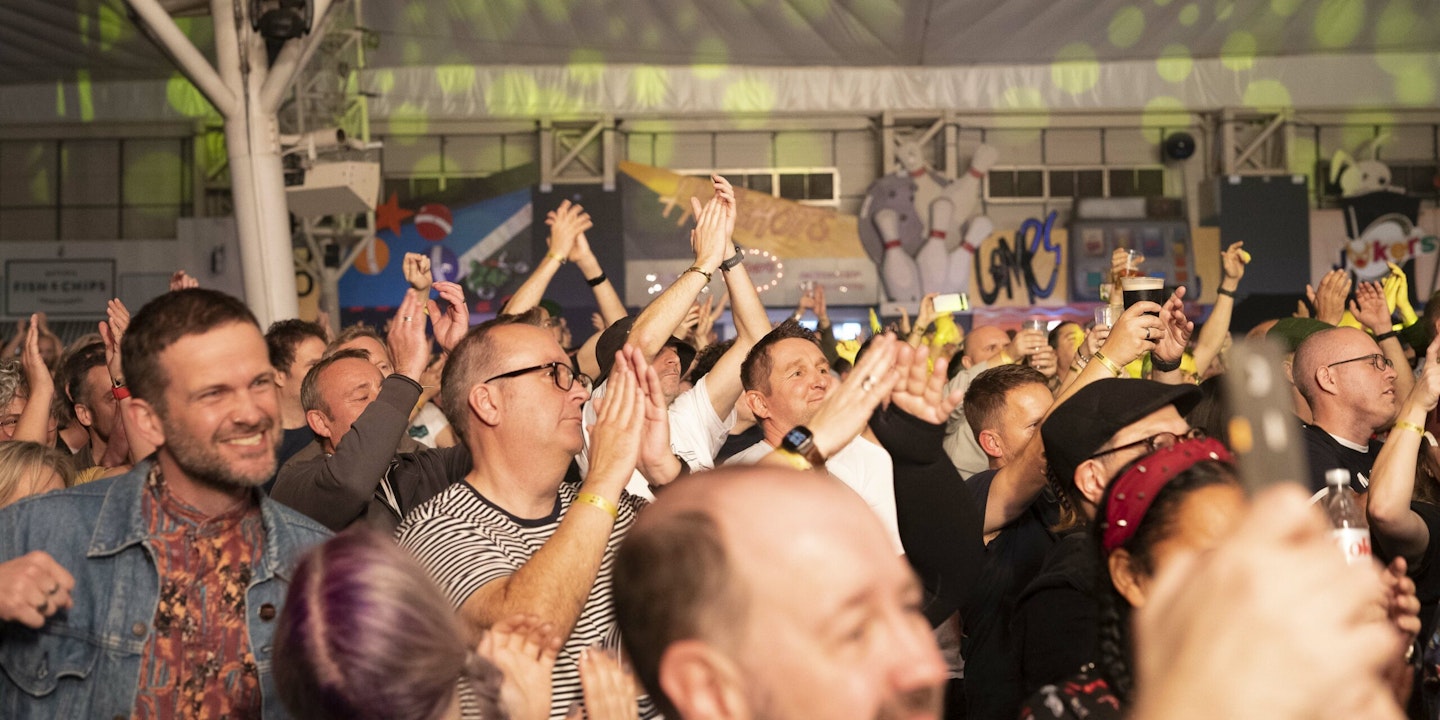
1337 476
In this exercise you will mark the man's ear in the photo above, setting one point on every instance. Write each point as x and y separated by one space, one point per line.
759 406
1127 579
83 414
701 683
144 422
282 378
1091 479
966 361
990 442
318 423
485 404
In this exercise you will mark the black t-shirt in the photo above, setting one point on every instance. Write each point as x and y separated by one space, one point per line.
1012 560
293 442
1324 452
1057 619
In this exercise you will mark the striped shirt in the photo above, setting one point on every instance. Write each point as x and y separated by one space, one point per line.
465 541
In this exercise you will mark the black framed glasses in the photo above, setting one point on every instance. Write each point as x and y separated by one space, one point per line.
1155 442
563 375
1376 360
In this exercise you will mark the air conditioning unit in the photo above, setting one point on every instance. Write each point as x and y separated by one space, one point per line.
333 188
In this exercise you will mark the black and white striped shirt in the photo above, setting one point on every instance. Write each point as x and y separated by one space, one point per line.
465 541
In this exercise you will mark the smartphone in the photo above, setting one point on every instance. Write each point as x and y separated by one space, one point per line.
951 302
1264 431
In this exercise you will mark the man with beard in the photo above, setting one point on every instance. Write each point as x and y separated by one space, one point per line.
154 594
771 593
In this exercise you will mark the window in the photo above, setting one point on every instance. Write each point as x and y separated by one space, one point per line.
808 186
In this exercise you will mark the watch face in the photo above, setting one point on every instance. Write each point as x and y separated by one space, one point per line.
797 438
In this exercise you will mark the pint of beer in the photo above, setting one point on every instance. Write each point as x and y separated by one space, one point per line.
1137 289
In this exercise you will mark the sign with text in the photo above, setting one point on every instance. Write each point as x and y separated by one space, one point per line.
59 288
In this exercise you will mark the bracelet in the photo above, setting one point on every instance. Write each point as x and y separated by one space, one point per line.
795 459
597 281
733 260
1382 337
557 258
1407 425
599 502
1162 366
1227 293
1109 364
698 269
120 392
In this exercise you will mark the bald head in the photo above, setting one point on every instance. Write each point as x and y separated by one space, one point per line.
983 343
1323 348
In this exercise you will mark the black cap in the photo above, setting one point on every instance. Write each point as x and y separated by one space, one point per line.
1081 425
614 338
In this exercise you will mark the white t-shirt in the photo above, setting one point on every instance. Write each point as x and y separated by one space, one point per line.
464 542
428 425
696 433
862 465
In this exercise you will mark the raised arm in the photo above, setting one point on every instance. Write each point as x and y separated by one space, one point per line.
566 223
1173 338
1392 479
1212 336
34 422
611 308
1370 309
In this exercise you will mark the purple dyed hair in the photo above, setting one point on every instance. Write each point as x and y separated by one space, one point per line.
366 634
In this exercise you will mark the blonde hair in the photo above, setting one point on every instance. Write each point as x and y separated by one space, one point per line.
20 459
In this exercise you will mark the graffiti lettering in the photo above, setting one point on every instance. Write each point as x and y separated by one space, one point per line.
1006 266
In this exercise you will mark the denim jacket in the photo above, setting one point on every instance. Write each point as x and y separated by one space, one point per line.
85 661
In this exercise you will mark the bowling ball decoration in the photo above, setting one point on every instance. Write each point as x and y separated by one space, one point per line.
434 222
372 260
444 264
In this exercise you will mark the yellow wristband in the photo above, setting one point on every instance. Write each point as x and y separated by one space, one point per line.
1109 364
557 258
1406 425
599 502
795 459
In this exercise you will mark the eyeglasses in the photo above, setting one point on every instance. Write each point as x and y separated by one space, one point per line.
1155 442
563 375
1378 361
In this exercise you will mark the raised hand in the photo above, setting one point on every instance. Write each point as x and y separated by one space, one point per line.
1176 328
710 240
1095 339
1135 333
1233 262
1369 307
822 312
847 411
37 373
657 461
1329 299
406 338
567 222
417 271
726 195
181 280
32 588
112 331
450 327
920 391
1426 393
524 649
617 434
1397 294
1046 360
609 689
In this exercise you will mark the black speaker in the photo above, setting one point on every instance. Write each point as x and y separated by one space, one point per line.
1179 146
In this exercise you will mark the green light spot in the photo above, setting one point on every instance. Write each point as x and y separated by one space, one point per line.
114 27
415 13
1224 9
455 79
1189 14
1416 87
1402 64
84 21
1285 8
802 149
1362 126
152 178
744 97
1303 156
1175 63
1024 115
430 164
586 67
1267 96
1397 24
1075 69
408 122
85 91
649 84
59 99
1238 52
384 81
1127 26
185 99
710 57
1338 22
1162 114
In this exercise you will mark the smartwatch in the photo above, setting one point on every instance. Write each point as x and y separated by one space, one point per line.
802 442
733 260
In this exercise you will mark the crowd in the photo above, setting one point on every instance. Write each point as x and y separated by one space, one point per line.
202 518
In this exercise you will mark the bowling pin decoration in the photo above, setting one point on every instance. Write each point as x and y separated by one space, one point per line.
897 269
922 181
933 258
965 192
962 258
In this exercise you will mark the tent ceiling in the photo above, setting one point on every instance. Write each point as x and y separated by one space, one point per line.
65 40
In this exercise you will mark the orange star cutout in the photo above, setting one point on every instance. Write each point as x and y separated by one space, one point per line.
389 215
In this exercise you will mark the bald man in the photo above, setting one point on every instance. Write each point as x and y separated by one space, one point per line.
1349 384
761 592
986 347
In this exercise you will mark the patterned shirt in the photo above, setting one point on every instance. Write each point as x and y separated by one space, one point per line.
197 662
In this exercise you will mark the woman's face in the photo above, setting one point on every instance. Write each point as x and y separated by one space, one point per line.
1204 519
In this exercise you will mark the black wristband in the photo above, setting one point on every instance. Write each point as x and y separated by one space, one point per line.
733 260
1227 293
597 281
1382 337
1161 366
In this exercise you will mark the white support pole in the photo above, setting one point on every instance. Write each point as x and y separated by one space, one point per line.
191 61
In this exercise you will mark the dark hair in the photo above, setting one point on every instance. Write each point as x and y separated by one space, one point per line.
755 371
470 358
673 582
1054 338
985 398
1158 523
284 336
365 634
165 320
76 367
840 366
310 398
706 359
1212 412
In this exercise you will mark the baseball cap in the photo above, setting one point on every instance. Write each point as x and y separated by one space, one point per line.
1081 425
614 338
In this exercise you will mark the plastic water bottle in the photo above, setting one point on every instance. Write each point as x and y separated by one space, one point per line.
1352 532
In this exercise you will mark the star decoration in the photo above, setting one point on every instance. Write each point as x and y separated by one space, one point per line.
390 215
